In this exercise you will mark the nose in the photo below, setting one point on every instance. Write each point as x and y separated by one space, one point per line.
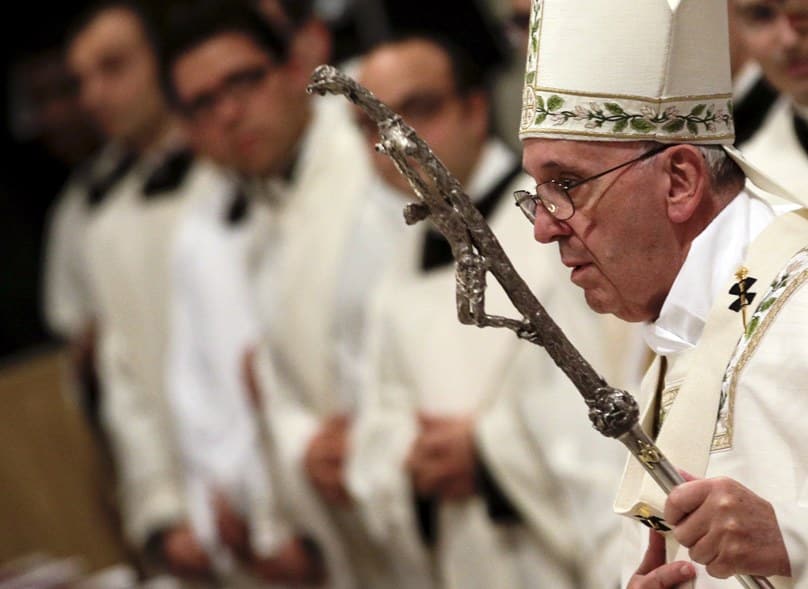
788 31
547 228
228 109
91 93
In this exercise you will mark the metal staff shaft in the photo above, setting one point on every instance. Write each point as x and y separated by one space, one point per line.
614 413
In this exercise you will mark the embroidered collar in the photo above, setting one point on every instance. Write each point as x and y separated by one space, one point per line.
713 258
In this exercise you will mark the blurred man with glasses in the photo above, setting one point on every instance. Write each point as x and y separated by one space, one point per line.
124 223
460 488
258 268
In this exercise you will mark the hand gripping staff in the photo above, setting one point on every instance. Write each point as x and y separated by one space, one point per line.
614 413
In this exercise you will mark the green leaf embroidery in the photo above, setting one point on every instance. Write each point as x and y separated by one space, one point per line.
752 326
766 304
674 126
642 125
530 77
698 109
778 284
597 114
554 103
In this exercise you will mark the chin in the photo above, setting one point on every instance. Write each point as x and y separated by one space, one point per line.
606 305
598 303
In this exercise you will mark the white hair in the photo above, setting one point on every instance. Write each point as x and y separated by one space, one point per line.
724 172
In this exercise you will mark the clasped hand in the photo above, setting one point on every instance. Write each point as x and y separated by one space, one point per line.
725 527
443 458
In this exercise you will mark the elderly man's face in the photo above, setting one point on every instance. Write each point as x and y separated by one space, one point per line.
242 109
620 245
776 35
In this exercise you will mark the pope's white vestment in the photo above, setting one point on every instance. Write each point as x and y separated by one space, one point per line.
753 380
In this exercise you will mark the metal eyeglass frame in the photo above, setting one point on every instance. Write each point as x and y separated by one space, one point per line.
555 202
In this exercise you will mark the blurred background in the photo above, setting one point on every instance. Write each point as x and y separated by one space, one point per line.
58 519
44 135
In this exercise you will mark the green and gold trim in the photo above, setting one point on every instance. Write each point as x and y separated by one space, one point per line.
793 276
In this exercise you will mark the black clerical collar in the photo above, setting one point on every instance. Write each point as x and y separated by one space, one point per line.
169 175
101 184
750 111
237 210
801 131
437 252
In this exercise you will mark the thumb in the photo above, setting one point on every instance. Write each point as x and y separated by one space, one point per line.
654 555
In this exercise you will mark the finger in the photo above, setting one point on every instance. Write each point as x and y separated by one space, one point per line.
417 453
424 418
337 422
704 551
426 478
456 489
430 420
685 499
335 495
654 555
434 441
666 576
250 379
341 496
687 476
693 527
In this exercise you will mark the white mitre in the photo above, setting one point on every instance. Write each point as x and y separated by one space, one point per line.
632 70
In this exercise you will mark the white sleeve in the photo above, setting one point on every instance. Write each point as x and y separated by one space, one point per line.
383 432
148 483
213 325
66 296
132 414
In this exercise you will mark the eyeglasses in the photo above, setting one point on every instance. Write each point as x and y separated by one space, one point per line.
554 194
237 85
416 109
762 13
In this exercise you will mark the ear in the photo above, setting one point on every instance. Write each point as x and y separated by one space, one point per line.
478 112
687 173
